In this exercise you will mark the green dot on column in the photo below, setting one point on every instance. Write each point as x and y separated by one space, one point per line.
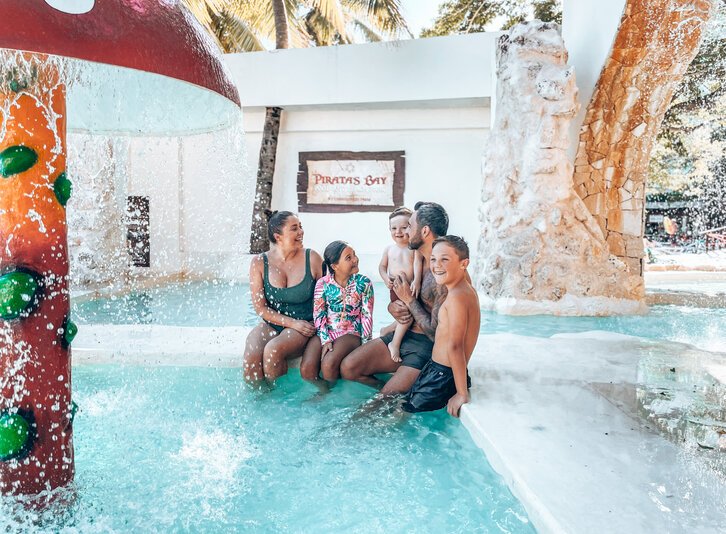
14 435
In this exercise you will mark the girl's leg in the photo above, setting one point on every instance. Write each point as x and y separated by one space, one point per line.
388 329
289 344
394 346
342 346
254 349
310 363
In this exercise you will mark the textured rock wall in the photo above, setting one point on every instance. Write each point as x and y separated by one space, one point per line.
540 249
655 43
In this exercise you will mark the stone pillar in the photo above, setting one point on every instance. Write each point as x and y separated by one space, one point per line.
540 250
655 43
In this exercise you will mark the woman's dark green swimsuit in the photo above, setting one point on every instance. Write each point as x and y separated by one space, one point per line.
295 301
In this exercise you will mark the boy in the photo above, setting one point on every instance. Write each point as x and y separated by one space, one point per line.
444 380
397 259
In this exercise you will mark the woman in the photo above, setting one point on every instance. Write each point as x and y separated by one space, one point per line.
343 307
282 282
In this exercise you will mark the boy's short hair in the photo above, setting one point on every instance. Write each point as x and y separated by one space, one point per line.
401 210
455 242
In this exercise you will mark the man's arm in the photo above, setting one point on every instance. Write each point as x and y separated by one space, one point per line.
425 319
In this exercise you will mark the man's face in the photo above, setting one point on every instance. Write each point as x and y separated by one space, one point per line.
415 239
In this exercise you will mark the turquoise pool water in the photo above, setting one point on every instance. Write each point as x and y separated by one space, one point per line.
192 450
225 304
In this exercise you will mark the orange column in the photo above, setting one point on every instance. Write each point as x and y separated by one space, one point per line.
36 411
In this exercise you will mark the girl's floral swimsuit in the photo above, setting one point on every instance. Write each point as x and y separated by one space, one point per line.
343 310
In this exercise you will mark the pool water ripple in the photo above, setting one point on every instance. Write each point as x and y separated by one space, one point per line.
192 449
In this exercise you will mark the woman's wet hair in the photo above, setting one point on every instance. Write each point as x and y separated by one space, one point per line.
275 222
455 242
332 255
402 210
432 215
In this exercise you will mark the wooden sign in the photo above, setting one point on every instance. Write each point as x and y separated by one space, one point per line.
337 182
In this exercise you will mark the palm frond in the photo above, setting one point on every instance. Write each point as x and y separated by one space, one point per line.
385 15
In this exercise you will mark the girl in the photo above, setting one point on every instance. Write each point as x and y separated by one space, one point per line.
343 307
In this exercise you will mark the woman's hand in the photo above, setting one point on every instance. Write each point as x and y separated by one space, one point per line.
328 347
304 327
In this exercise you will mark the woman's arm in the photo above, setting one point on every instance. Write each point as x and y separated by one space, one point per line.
316 264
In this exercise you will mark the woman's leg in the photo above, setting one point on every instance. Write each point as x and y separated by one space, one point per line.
254 349
289 344
342 346
310 363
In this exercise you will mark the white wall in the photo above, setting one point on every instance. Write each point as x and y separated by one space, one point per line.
200 201
427 97
454 67
443 163
588 28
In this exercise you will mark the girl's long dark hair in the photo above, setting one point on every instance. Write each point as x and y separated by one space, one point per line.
332 255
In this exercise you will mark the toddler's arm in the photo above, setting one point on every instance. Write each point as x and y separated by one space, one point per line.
383 269
418 263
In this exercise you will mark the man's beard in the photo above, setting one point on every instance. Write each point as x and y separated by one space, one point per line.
415 242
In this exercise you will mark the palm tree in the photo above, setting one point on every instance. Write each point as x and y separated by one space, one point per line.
244 25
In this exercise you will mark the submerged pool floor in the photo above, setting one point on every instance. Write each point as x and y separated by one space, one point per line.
193 449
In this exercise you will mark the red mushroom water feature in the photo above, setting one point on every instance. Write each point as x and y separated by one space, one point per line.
156 36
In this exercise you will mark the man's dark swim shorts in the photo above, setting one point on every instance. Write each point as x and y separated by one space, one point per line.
415 349
433 388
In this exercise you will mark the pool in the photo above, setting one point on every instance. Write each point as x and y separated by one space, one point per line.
192 449
216 303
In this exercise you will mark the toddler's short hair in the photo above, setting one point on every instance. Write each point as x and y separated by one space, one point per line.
401 210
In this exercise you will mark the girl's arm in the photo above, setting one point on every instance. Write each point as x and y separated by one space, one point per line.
366 313
383 269
320 312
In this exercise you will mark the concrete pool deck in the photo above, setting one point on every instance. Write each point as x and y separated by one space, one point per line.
556 417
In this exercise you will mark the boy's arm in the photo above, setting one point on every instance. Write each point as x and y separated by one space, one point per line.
383 268
456 320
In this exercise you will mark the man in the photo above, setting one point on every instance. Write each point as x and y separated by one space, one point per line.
428 222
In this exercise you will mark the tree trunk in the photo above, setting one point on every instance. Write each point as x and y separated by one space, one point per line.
268 148
265 172
655 43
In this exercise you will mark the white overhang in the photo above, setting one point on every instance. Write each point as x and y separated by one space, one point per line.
445 71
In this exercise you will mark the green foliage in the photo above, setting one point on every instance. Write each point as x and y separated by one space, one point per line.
246 25
692 137
469 16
